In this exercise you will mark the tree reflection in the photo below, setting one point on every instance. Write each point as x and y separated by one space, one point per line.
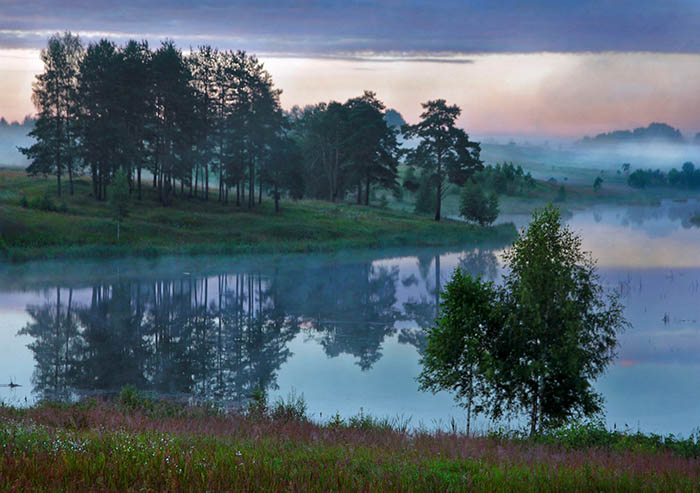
221 336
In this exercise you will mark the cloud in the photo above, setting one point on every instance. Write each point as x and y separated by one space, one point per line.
326 28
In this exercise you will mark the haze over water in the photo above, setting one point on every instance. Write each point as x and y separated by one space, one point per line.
345 330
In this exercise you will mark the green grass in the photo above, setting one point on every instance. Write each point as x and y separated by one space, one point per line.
132 445
85 227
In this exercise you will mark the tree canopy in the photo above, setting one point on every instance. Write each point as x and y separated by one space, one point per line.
447 145
551 330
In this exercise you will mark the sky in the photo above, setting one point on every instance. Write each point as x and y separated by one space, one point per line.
549 68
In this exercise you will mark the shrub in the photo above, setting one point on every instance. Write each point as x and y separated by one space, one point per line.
561 195
293 409
476 206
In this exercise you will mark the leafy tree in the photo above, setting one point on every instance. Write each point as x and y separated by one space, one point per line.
203 65
448 146
173 115
101 133
120 199
322 132
597 184
561 194
425 198
135 103
372 145
456 354
282 170
410 180
54 96
560 331
475 205
551 330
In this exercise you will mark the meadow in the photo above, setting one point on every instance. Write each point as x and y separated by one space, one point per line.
132 443
36 224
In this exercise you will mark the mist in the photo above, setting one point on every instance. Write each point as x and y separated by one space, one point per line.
12 136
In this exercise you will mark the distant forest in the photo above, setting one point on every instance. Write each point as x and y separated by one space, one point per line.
655 132
180 122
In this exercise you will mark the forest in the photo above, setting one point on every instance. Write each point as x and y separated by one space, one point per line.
209 125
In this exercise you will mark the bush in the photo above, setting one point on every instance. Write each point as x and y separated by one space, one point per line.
425 198
293 409
597 184
476 206
561 195
24 202
43 203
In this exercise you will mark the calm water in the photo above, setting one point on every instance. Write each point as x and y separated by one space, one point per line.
345 330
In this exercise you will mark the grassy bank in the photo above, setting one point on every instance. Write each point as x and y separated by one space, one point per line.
134 445
81 227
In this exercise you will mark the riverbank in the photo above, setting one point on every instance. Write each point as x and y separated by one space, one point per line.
135 444
36 224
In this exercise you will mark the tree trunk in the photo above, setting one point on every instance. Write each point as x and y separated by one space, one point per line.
138 173
469 409
439 187
70 176
94 181
251 185
58 178
260 189
367 185
437 284
359 192
534 412
206 182
193 189
277 199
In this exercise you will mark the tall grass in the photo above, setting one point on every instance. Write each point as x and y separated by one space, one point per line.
133 444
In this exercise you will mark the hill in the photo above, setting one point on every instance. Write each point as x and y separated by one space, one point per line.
655 132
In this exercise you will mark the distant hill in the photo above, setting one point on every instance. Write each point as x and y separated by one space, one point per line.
654 132
697 138
394 118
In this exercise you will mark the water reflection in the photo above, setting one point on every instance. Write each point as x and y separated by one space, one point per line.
346 330
221 336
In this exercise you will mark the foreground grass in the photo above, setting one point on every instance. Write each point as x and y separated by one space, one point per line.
85 228
127 447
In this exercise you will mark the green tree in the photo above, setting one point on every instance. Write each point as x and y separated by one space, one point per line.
101 132
448 146
456 354
120 199
560 331
476 206
54 95
372 145
597 184
561 194
135 105
552 330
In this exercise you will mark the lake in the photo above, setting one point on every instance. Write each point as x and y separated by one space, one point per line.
345 330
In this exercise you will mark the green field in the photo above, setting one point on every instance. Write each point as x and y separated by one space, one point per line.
133 444
82 227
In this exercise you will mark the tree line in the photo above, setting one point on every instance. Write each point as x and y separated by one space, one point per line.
686 178
182 121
